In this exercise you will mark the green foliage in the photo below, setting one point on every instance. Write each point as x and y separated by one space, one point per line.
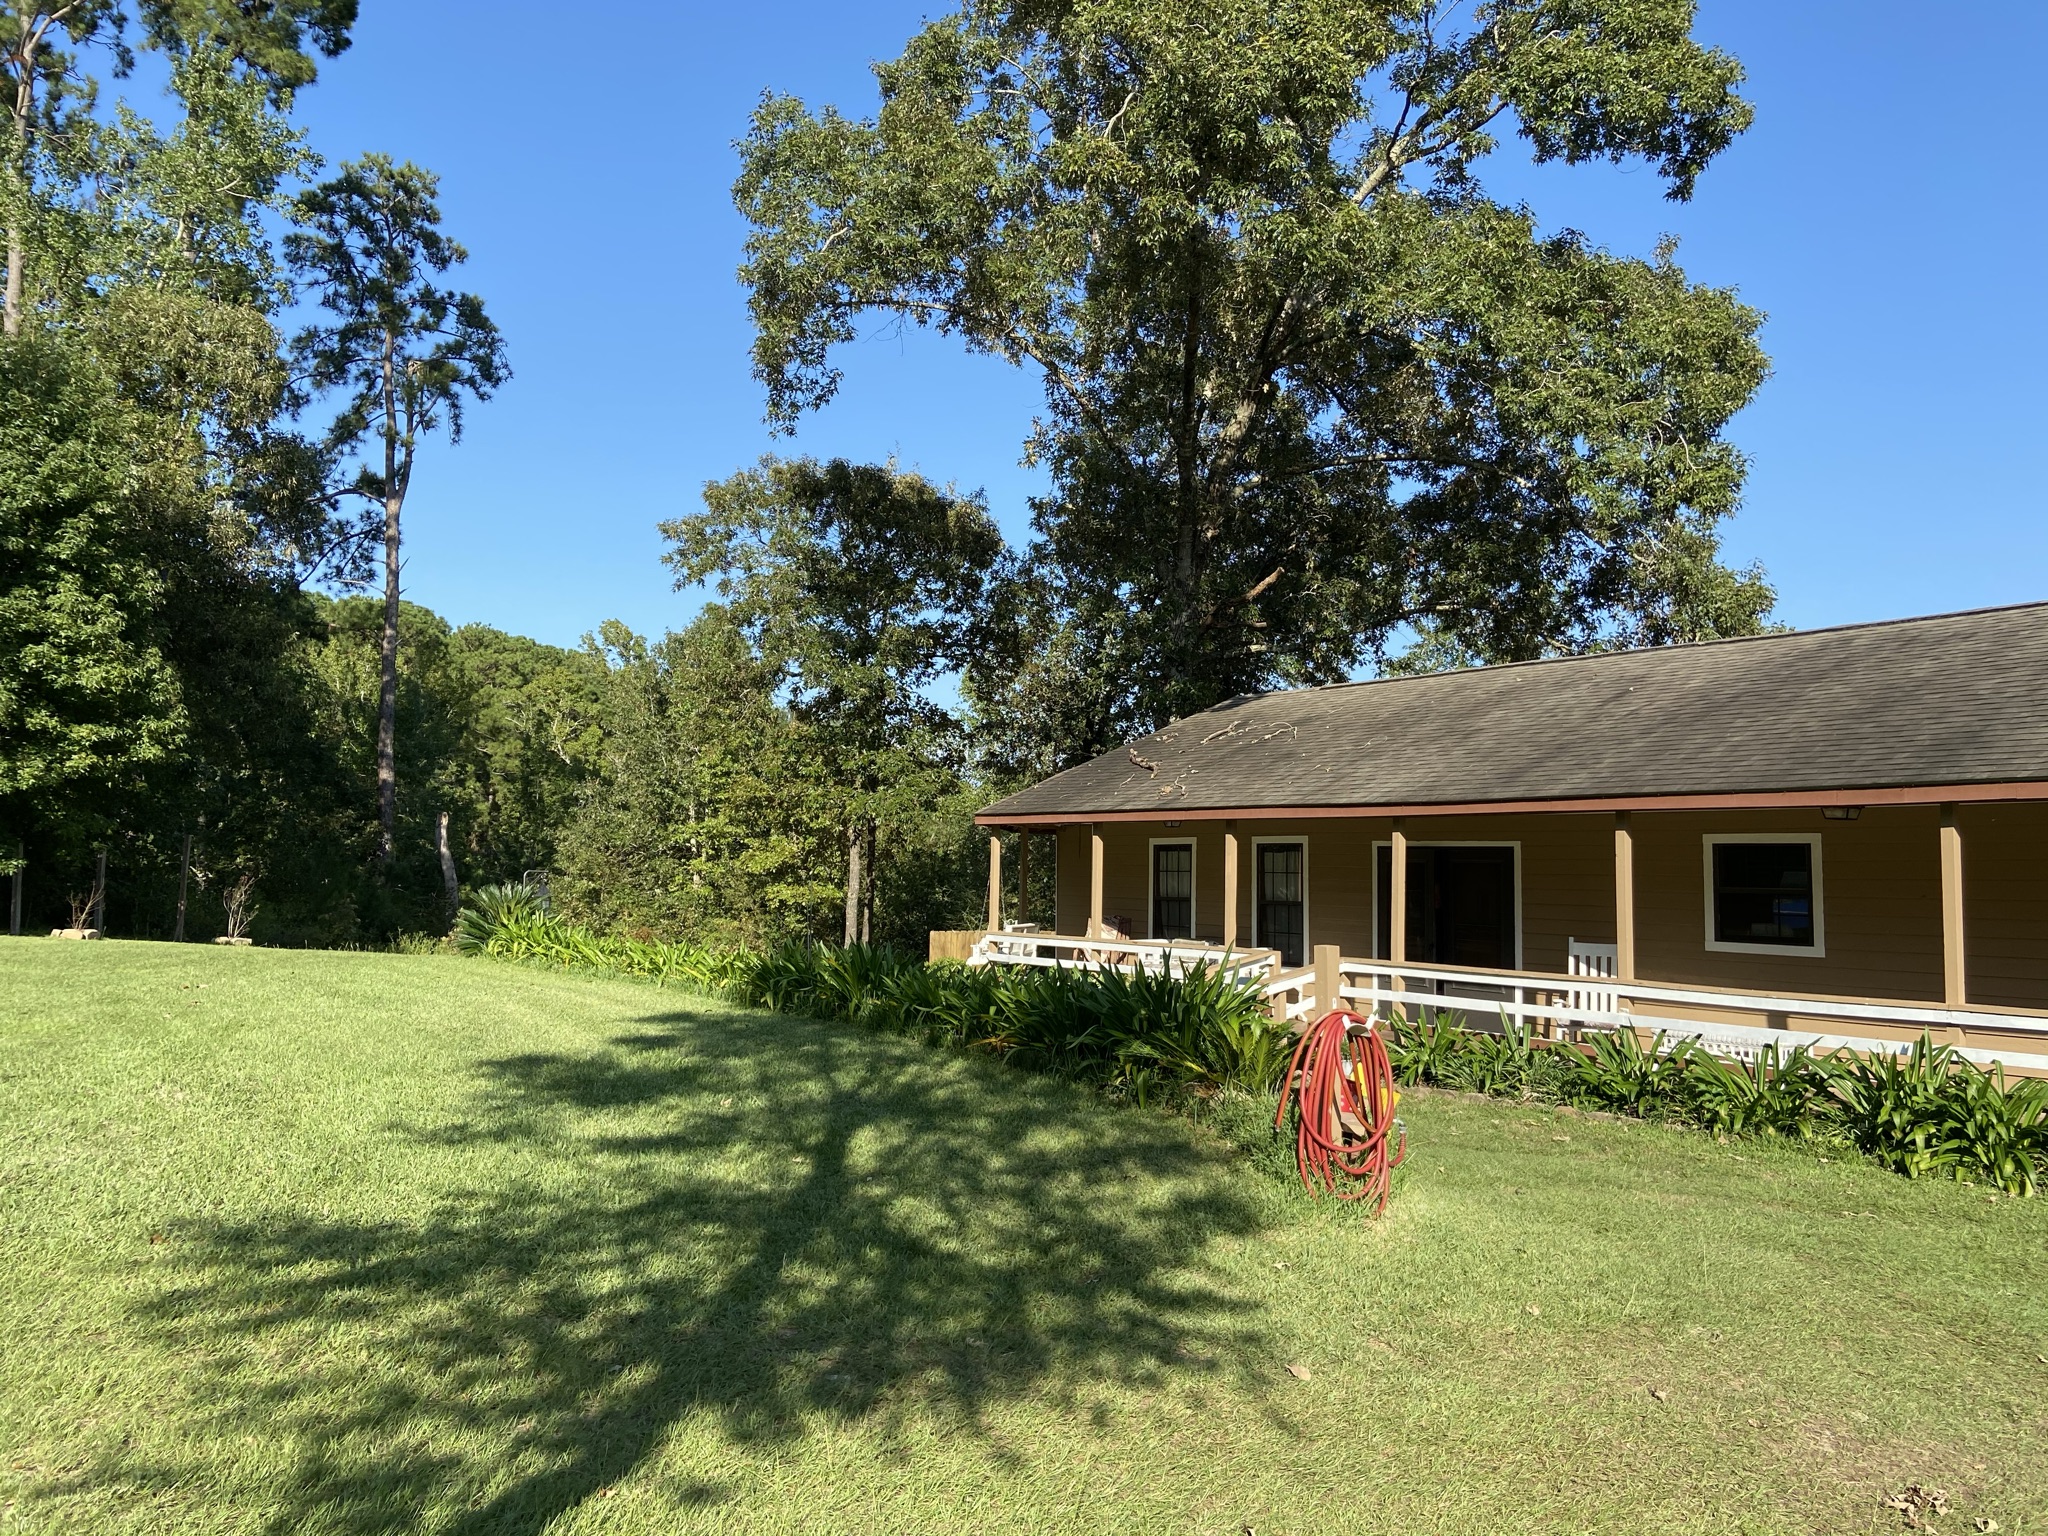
707 811
1926 1112
1778 1094
84 692
403 354
856 586
1135 1034
488 908
1305 380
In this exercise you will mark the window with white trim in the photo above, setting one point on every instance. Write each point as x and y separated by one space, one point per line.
1280 900
1173 890
1764 894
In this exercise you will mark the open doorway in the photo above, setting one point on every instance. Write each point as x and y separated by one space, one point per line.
1462 904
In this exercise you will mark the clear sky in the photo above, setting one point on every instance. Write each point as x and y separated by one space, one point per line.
1886 211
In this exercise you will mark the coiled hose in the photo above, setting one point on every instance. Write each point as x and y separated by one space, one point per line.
1342 1087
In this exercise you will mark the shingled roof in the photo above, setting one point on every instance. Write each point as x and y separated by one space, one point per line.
1956 699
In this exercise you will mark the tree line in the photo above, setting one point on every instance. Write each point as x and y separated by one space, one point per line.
1316 402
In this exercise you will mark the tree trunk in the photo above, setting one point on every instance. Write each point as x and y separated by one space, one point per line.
387 699
11 324
867 895
854 840
387 695
184 878
17 237
448 879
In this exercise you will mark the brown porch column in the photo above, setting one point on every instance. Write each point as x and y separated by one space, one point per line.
1094 880
1954 971
995 882
1230 885
1397 919
1624 897
1024 875
1329 978
1397 894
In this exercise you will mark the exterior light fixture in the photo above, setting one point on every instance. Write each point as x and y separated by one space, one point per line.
1173 824
1841 812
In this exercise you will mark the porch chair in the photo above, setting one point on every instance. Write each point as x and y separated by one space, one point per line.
1596 962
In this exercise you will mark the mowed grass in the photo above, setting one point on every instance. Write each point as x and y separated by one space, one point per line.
352 1243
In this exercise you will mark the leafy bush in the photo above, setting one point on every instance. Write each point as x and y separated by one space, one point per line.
488 908
1133 1033
1931 1111
1777 1095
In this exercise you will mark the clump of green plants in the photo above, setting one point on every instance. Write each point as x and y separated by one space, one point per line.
1928 1112
1139 1035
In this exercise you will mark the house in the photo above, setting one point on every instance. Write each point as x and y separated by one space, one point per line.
1840 834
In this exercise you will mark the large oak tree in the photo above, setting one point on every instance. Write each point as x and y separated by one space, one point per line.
1307 383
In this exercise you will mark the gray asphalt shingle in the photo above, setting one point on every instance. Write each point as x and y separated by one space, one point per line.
1953 699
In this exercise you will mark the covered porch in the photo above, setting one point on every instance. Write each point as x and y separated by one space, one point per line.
1826 919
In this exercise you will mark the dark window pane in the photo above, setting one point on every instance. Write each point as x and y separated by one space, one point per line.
1282 920
1763 894
1173 890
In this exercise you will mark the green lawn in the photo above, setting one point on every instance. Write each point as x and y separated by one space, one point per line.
353 1243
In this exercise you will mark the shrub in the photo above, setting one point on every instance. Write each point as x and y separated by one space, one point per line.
1137 1033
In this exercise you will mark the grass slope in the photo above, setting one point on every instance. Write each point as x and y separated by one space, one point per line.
348 1243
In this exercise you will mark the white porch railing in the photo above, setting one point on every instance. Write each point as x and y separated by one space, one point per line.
1559 1007
1553 1005
1174 957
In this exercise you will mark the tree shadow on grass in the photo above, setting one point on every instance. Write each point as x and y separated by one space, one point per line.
770 1222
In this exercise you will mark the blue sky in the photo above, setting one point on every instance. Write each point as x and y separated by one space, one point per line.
1886 211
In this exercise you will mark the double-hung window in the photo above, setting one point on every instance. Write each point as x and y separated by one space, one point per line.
1173 890
1281 898
1764 894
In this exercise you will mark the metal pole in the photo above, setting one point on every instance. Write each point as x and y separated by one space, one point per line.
184 874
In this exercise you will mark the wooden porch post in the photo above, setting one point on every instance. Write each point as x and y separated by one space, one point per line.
1624 898
995 882
1397 919
1329 979
1094 880
1954 970
1230 885
1024 875
1397 895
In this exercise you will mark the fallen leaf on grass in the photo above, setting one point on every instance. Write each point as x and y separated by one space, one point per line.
1298 1372
1658 1394
1533 1310
1986 1523
1916 1502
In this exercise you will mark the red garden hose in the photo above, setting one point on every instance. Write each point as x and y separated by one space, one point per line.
1343 1090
